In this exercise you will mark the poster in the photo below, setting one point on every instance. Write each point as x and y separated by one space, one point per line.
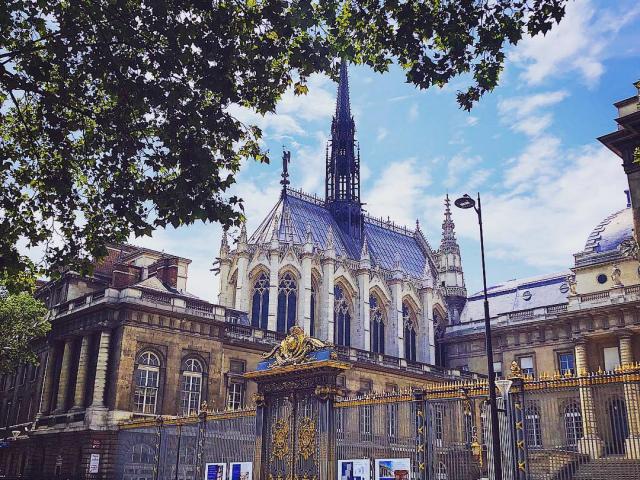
393 469
358 469
240 471
94 463
215 471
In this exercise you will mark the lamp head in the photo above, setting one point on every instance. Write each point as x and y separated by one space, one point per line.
465 202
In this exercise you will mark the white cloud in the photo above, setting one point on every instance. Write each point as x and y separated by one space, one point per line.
318 104
577 45
522 113
471 121
382 134
459 167
413 112
533 126
398 191
539 161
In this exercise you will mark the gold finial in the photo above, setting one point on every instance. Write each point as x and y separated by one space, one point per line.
295 348
516 371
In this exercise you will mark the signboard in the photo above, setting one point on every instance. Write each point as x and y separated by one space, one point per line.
393 469
358 469
215 471
94 463
240 471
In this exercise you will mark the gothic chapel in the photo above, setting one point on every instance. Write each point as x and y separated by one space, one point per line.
345 277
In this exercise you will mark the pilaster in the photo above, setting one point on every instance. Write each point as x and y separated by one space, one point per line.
274 260
590 443
47 381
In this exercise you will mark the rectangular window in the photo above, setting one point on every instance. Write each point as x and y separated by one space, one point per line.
340 423
235 395
392 420
366 412
497 369
611 358
341 381
237 366
366 386
526 365
566 363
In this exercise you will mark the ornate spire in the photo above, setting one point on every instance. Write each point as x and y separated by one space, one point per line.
243 233
427 277
330 241
364 253
449 243
308 236
342 185
286 159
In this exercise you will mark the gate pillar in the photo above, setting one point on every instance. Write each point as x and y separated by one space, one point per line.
295 428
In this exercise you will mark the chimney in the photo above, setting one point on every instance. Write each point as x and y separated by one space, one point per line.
166 269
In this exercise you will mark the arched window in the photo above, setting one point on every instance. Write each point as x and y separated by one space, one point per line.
314 306
573 424
441 473
342 317
376 319
409 321
147 381
287 302
191 386
260 302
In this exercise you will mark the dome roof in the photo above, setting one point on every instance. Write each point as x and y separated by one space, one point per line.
611 232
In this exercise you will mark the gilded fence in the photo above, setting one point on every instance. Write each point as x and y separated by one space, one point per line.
559 427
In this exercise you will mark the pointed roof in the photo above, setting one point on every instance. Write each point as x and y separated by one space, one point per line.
343 105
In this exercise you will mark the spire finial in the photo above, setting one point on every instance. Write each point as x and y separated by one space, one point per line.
330 242
224 244
243 233
309 236
343 105
396 263
448 234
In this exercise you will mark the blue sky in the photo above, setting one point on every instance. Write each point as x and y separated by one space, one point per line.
529 147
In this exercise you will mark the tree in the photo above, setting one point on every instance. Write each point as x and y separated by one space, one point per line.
114 114
22 319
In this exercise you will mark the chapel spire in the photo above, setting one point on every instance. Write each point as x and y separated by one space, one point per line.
450 274
342 184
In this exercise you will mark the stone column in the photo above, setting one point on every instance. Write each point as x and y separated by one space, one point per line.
81 377
100 381
327 319
590 443
225 267
626 350
304 300
427 349
397 328
273 288
363 327
63 379
47 381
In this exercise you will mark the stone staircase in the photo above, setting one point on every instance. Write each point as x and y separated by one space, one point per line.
608 468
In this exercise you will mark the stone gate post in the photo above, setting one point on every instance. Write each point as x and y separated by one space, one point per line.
295 428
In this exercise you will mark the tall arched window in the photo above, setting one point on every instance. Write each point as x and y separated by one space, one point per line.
260 302
147 379
314 306
287 302
376 319
409 321
191 386
573 423
342 317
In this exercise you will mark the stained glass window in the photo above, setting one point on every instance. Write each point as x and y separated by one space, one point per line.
260 302
376 318
409 320
342 317
287 302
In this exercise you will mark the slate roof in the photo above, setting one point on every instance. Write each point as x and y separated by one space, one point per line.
510 296
295 211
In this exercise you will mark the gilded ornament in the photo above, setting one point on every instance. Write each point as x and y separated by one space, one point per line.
258 399
280 439
307 437
295 348
516 371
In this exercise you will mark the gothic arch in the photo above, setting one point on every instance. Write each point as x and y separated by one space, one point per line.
344 308
348 285
381 289
289 267
257 270
414 305
410 327
378 320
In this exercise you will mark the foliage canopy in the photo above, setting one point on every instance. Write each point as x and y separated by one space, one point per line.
114 113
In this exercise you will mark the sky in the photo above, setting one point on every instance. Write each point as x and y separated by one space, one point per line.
529 147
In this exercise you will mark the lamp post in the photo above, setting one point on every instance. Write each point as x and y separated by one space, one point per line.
466 202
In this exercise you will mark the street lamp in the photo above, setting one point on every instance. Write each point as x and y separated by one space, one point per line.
466 202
